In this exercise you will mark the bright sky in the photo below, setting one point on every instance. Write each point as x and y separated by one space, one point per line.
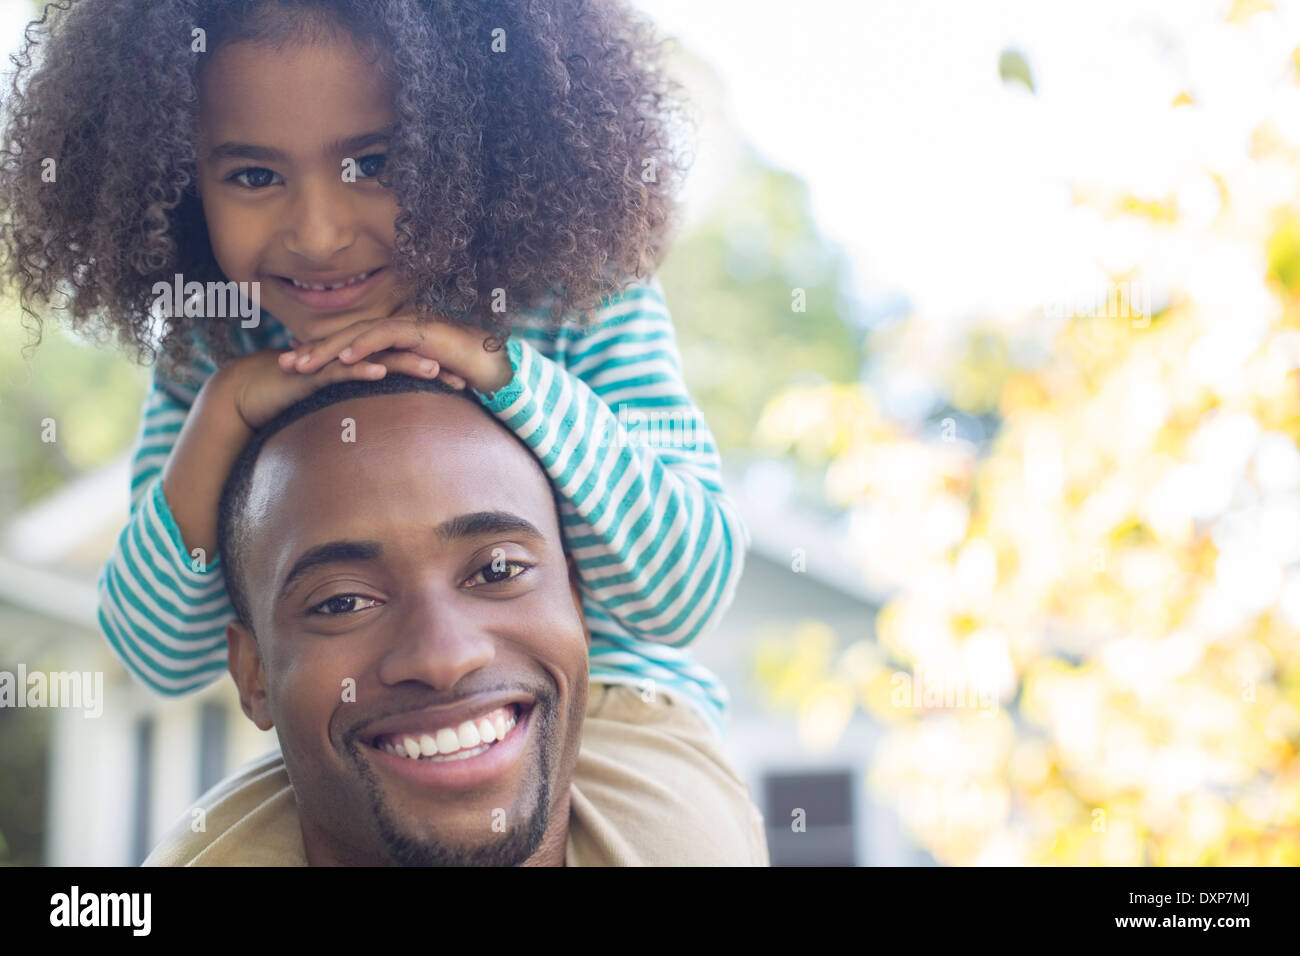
946 183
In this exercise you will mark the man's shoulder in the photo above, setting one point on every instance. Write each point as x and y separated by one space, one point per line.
247 819
655 787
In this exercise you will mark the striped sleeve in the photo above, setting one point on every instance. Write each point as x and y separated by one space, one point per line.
657 542
163 611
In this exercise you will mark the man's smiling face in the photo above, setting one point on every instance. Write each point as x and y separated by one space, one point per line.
421 564
274 128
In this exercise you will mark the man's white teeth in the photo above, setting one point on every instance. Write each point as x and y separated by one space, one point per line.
471 738
322 288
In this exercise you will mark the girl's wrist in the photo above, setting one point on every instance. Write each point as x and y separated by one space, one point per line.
498 371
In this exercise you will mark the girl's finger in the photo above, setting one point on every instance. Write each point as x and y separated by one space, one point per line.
408 363
385 335
365 370
361 340
338 372
313 356
289 360
455 381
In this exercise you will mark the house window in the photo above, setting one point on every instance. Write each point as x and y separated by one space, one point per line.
810 818
212 745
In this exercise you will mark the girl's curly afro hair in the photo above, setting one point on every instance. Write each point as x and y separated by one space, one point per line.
549 172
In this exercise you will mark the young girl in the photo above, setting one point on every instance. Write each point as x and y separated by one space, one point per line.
408 183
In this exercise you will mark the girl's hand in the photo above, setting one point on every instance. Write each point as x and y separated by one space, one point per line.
260 388
453 351
288 363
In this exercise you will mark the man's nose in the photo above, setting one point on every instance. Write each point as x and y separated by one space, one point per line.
321 221
437 642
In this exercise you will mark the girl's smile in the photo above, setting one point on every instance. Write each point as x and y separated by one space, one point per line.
331 294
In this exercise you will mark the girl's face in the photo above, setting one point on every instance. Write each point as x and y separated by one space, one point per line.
274 130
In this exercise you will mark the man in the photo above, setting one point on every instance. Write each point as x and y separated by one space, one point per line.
410 624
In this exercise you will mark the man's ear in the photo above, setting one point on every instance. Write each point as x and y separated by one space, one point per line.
244 659
577 594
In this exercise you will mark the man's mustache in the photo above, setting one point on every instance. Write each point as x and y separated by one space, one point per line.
396 704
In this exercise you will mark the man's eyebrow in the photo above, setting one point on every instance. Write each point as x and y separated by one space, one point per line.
472 525
331 552
347 146
480 523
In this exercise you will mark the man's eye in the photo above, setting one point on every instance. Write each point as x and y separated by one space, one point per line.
254 171
488 574
342 604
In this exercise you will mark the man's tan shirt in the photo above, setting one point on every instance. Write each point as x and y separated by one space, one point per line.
652 788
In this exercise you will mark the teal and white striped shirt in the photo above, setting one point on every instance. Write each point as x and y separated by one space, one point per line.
658 544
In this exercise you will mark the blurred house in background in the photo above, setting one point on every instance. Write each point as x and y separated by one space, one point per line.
100 790
798 571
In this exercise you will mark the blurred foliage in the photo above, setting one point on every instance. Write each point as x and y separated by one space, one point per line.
730 286
90 394
1014 68
1090 651
1284 252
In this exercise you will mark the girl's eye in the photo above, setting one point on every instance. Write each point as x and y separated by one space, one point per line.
369 166
490 575
373 169
342 604
255 171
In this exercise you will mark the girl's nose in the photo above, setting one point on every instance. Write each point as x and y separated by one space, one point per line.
321 223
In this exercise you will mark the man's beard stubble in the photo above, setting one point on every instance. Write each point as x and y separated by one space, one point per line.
510 848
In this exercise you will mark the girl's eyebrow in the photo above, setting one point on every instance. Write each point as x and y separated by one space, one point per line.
351 144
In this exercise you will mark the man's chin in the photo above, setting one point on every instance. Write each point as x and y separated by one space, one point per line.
501 836
500 842
501 830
